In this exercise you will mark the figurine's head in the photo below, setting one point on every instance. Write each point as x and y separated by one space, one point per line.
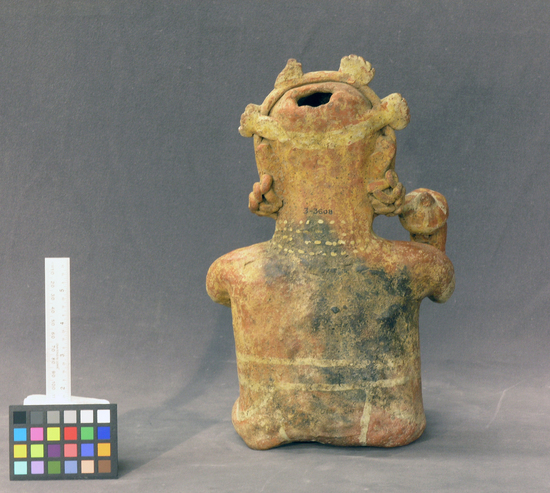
324 126
343 97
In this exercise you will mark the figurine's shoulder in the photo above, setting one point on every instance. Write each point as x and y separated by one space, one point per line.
417 253
236 259
229 270
430 269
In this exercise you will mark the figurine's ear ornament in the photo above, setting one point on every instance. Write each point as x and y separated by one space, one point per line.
254 123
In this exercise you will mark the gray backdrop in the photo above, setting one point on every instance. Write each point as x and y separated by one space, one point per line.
119 149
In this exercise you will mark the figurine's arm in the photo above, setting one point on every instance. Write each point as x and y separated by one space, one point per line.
431 271
216 285
263 201
424 216
442 278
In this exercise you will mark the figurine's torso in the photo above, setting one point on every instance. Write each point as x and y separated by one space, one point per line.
326 337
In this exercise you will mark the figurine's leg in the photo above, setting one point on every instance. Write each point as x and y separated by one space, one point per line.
386 430
399 422
258 432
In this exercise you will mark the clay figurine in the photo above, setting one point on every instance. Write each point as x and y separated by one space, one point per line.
325 314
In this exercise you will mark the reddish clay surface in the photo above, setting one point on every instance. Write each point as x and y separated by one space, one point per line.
325 314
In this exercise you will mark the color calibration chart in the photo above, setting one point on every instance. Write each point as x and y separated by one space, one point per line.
65 441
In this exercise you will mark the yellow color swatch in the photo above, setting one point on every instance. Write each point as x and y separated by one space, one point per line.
19 451
54 434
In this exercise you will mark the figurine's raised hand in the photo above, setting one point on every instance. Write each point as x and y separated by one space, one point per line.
424 215
386 195
263 201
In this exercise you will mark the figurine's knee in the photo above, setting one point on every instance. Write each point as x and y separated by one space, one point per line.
258 432
387 430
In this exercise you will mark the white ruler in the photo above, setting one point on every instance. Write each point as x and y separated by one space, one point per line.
58 329
58 338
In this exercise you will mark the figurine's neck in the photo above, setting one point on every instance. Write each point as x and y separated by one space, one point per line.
325 220
326 187
340 211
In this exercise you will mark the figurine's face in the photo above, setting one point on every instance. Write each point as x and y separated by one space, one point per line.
322 107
